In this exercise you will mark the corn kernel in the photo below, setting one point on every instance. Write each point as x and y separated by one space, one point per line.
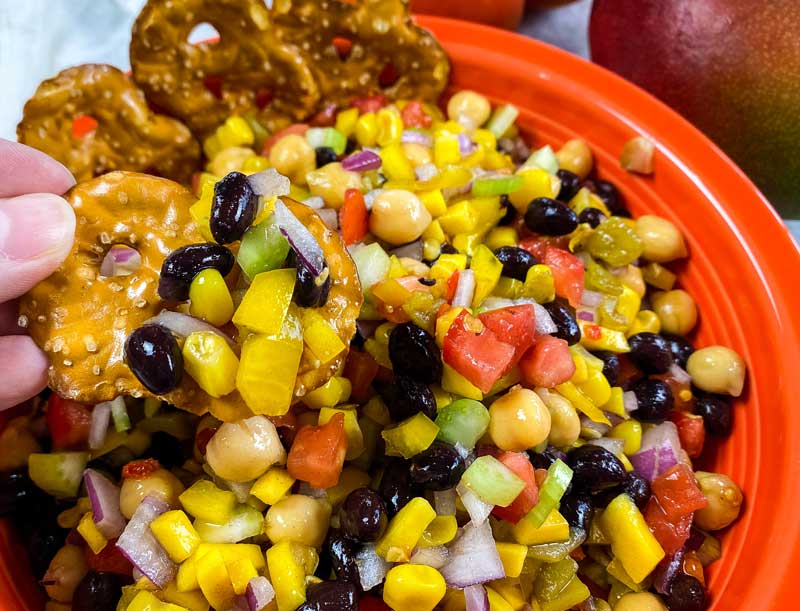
176 535
512 555
254 164
410 437
646 321
211 362
335 391
320 337
355 438
459 218
241 571
273 485
389 126
439 532
536 183
396 165
405 530
630 432
346 121
413 587
208 503
455 383
434 201
501 236
366 129
555 528
539 284
235 132
91 534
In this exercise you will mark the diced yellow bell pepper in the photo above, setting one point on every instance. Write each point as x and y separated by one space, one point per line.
273 485
447 264
379 351
390 126
631 539
602 338
487 270
459 218
287 576
186 579
630 432
454 382
626 462
617 571
346 121
405 530
266 302
206 502
555 528
376 409
596 387
396 270
510 589
573 594
210 299
581 369
211 362
497 602
536 183
175 533
320 337
413 587
201 210
539 284
192 601
444 321
214 580
510 288
628 304
410 437
466 242
434 233
489 212
495 160
350 479
658 276
581 402
441 396
395 164
512 555
390 291
615 403
433 200
441 531
335 391
355 438
484 139
446 150
646 321
366 129
235 132
241 571
91 534
501 236
146 601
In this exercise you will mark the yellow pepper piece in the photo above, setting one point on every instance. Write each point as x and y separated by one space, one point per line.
376 409
176 535
617 571
434 233
581 369
211 362
201 210
287 575
631 539
390 291
628 304
413 587
439 532
446 150
501 236
410 437
355 438
396 165
405 530
390 126
236 131
581 402
495 160
596 387
510 589
335 391
444 321
466 242
485 139
145 601
573 594
535 183
346 121
454 382
366 129
447 264
273 485
497 602
555 528
658 276
214 580
512 555
507 381
350 479
266 302
433 200
487 270
206 502
609 339
615 403
379 351
630 432
91 534
192 601
539 284
510 288
396 270
441 396
320 337
241 571
210 298
646 321
186 579
489 212
459 218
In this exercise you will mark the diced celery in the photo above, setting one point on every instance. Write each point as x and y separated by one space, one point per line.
492 481
410 437
495 185
559 475
372 264
327 136
543 158
119 414
245 522
463 421
58 474
263 248
502 119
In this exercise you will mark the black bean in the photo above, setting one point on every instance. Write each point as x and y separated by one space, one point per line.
595 468
638 488
167 450
331 596
542 460
686 594
510 211
654 399
155 358
45 541
363 515
611 366
426 281
112 462
550 217
593 216
413 352
447 249
570 185
568 329
680 347
342 553
406 397
97 592
440 467
716 412
233 209
15 488
183 264
577 510
650 352
325 155
610 195
396 487
310 291
516 261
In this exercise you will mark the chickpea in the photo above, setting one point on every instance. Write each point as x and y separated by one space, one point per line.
160 482
724 501
230 160
576 156
398 217
298 518
65 572
242 451
519 420
468 108
676 310
717 369
293 156
417 154
18 443
565 424
331 181
640 601
661 240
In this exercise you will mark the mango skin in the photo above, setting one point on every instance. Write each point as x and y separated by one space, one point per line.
732 67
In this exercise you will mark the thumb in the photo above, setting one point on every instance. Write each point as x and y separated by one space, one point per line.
36 235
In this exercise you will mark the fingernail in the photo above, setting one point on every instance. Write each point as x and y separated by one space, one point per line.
32 226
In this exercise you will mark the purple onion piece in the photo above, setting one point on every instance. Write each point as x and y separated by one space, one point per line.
411 136
477 598
330 217
101 417
612 445
465 145
184 325
591 299
138 544
544 322
362 161
120 260
666 571
372 568
301 239
435 556
104 497
259 593
477 509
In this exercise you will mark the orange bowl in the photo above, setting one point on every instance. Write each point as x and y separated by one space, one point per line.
742 273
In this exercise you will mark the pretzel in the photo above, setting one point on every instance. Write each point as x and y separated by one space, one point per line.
81 319
249 59
129 136
382 35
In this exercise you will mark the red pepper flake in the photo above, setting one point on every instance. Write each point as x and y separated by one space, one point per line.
140 469
593 332
83 125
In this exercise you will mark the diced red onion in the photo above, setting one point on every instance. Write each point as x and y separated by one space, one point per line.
362 161
679 374
269 183
426 172
372 568
591 299
477 598
465 289
138 544
104 497
666 571
435 556
477 509
136 574
411 136
330 217
412 250
611 444
660 450
259 593
315 201
369 197
473 557
544 324
120 260
445 502
305 245
465 144
585 314
184 325
101 417
629 401
367 328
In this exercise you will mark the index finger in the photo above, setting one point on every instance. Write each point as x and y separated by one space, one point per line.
26 170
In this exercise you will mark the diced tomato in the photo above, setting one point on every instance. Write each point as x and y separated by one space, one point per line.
325 117
298 128
548 363
68 421
109 560
691 431
515 325
317 453
476 354
518 463
140 469
567 268
535 246
414 115
83 125
677 492
353 217
370 103
360 368
452 284
670 534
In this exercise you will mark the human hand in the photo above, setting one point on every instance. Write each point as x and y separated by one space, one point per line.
37 228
